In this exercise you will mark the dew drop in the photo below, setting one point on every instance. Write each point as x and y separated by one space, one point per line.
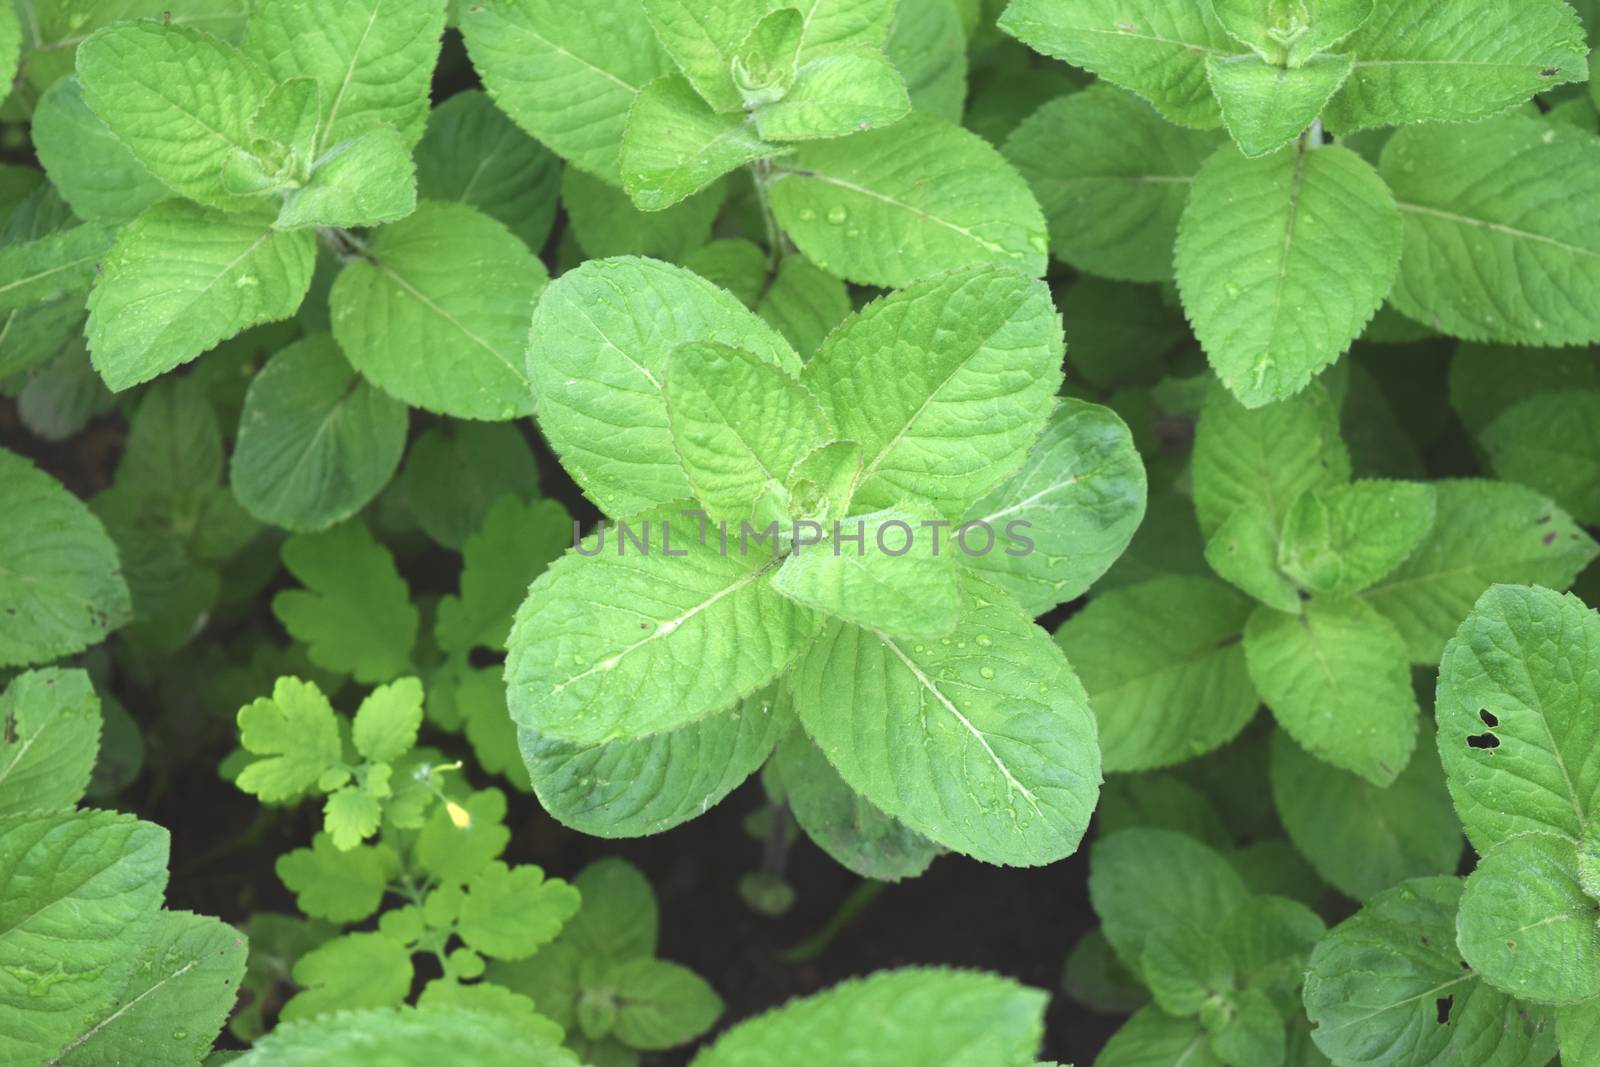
807 215
837 215
986 673
984 640
1233 291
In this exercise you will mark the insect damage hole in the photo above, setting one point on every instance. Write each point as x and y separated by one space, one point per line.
1485 741
1442 1006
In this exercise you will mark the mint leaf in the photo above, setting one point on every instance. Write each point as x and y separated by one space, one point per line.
1418 64
1290 33
978 349
181 278
353 971
996 708
661 1004
1360 838
1337 678
316 443
517 542
355 613
1578 1030
833 26
1153 1037
94 171
456 471
1549 442
372 62
1277 292
645 786
611 646
606 223
1492 250
1527 925
1157 48
607 328
364 181
567 76
408 1037
835 96
1164 669
436 313
472 153
948 197
1266 106
804 303
1341 540
928 46
61 573
510 911
1514 730
1112 177
50 737
1244 552
340 885
181 100
676 145
296 731
61 264
1387 988
914 1017
704 40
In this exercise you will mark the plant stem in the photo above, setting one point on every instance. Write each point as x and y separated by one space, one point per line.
761 172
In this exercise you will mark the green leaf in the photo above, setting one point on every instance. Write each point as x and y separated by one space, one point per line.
355 612
1156 48
893 581
1416 63
510 911
568 76
1387 988
912 1017
1266 106
82 889
456 471
661 1005
1164 669
1112 177
1282 261
1527 925
49 737
517 542
928 46
386 724
61 589
1337 678
1152 1038
954 374
611 646
340 885
844 824
949 199
739 425
366 180
1516 733
316 443
1244 552
983 744
372 61
473 154
296 732
1289 33
436 315
767 59
1578 1030
1496 248
676 145
835 96
363 970
181 100
804 303
61 264
1483 532
1549 442
833 26
703 41
1360 838
597 357
186 971
619 918
1264 457
604 222
180 278
1343 539
407 1037
645 786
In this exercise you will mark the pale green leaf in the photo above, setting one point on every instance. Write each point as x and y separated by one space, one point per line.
1152 1038
597 359
408 1037
386 724
912 1017
60 265
945 385
1341 540
676 145
1578 1031
928 46
316 443
366 180
619 918
362 970
1526 924
1497 246
703 40
1337 678
1551 442
1266 106
803 303
50 737
984 744
765 63
472 153
61 586
1163 668
834 97
660 1005
94 171
1282 261
888 206
1387 988
436 314
455 853
1290 32
1244 552
1483 532
1157 48
604 222
510 911
180 99
372 60
1363 839
833 26
181 278
568 75
515 544
296 733
340 885
1417 62
355 612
